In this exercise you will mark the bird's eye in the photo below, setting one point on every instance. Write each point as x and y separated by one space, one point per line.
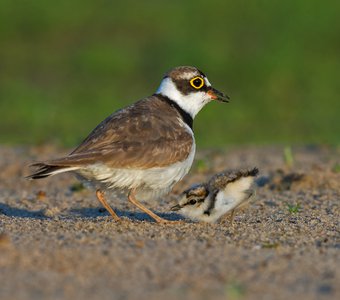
192 202
197 82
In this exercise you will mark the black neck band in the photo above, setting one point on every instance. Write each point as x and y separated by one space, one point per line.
186 117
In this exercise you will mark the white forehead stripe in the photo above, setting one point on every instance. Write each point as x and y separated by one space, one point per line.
207 81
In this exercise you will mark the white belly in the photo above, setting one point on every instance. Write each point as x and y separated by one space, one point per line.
149 183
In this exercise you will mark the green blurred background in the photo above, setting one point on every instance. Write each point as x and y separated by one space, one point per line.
65 65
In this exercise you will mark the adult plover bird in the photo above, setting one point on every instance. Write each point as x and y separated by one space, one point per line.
223 193
145 148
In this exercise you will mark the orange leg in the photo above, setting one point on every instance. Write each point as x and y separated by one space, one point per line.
102 200
134 201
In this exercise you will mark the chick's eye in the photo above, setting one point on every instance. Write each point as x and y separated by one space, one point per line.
192 202
197 82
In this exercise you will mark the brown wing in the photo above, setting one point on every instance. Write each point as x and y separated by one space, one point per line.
143 135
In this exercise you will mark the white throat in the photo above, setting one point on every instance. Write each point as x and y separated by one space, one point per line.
191 103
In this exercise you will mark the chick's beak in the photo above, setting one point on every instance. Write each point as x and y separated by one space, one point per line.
217 95
175 208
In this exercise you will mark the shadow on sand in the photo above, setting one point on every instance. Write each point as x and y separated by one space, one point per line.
10 211
135 216
90 212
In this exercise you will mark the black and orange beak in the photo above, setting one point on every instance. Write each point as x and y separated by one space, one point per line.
217 95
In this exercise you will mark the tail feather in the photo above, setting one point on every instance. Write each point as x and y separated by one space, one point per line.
45 170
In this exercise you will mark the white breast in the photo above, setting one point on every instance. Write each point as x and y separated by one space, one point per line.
233 195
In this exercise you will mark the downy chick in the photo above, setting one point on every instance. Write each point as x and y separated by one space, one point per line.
223 193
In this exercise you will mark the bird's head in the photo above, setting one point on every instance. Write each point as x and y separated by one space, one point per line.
189 88
193 202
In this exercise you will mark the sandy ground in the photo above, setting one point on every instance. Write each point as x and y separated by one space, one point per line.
57 242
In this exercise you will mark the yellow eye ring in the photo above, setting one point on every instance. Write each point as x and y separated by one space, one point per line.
197 82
